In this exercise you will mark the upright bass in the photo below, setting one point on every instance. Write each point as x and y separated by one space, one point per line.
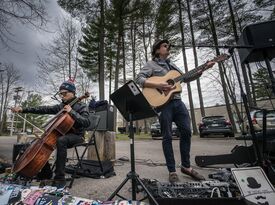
38 153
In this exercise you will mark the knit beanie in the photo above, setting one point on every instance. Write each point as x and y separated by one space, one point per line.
68 85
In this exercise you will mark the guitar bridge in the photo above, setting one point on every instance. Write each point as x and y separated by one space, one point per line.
159 90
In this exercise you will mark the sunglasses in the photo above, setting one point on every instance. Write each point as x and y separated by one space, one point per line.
166 45
63 93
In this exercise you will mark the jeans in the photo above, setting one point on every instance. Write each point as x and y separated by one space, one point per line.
62 144
175 111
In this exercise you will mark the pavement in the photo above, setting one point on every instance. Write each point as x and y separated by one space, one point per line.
149 164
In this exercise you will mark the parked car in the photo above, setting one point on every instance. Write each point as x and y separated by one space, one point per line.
156 133
122 130
257 120
215 125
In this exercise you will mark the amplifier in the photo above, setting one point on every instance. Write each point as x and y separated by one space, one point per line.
262 37
106 114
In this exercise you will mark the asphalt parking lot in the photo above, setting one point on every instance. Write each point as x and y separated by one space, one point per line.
149 163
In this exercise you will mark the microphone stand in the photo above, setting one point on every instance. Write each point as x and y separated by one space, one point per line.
211 46
243 95
225 46
245 102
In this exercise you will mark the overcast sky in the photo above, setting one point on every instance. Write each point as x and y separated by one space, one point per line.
28 44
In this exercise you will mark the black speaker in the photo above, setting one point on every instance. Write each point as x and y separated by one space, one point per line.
106 114
261 36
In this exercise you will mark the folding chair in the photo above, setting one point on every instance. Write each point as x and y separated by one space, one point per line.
94 121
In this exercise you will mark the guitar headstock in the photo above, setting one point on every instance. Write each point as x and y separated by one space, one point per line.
220 58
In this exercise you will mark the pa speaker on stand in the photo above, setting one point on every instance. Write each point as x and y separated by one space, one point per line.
261 37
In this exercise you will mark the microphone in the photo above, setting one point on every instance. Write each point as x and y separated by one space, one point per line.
179 46
173 46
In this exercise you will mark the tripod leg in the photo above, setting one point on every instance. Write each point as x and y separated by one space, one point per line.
118 188
147 191
134 185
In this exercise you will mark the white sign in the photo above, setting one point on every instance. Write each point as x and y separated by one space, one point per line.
133 88
254 185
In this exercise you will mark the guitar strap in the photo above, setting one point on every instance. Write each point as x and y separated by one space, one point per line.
173 67
167 64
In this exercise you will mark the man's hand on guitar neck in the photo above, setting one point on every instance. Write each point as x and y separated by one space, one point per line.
209 64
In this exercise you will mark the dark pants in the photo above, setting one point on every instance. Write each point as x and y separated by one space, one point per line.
175 111
62 144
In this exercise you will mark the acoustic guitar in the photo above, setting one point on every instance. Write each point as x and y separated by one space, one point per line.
157 97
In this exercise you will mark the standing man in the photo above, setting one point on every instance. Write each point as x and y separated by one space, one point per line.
79 112
174 111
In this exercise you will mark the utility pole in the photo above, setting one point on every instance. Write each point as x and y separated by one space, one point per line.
16 98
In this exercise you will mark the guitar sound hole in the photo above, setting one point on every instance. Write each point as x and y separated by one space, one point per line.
171 82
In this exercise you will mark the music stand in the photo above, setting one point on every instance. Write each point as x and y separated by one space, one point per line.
132 105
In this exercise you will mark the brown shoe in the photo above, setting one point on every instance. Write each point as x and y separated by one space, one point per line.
173 177
195 175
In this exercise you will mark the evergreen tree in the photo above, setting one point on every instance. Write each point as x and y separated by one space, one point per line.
88 48
262 84
166 22
87 12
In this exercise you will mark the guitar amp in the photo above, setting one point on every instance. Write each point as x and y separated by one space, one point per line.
106 114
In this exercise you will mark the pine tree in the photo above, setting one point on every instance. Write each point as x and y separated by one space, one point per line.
88 13
262 84
88 48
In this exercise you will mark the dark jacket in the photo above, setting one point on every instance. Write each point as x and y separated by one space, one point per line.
79 113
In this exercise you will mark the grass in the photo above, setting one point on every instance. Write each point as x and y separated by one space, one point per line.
141 136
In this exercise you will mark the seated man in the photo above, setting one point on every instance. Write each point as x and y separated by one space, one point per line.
78 111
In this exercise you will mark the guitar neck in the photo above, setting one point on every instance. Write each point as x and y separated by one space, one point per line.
196 72
187 76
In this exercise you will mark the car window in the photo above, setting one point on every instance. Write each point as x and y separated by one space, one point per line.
155 125
213 118
259 114
271 114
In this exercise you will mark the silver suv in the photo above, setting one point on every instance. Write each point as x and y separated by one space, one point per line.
257 120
